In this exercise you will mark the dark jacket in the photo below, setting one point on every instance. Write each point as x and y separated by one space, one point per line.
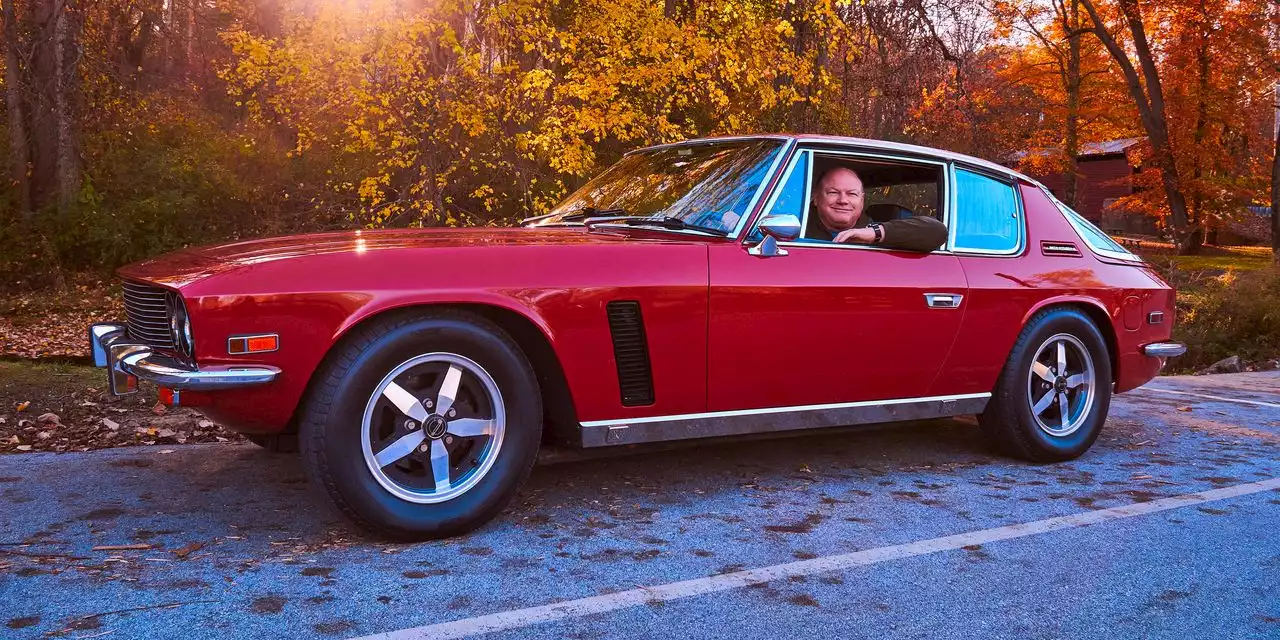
914 233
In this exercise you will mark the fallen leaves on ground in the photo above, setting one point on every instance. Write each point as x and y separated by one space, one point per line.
49 325
75 415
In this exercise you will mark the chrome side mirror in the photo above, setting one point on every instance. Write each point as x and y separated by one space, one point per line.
776 228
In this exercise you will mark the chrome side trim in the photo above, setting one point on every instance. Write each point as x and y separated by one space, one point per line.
599 433
127 362
1165 349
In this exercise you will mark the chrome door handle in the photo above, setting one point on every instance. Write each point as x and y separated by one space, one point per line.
943 300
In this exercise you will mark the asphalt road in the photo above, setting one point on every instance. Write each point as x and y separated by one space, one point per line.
1166 529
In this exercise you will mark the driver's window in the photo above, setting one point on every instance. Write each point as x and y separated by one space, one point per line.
850 190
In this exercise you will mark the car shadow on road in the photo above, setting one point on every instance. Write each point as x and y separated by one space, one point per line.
240 491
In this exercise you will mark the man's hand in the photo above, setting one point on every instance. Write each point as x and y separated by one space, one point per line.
864 235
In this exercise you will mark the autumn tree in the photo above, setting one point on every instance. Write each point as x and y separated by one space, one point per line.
1080 98
1209 54
1147 92
1275 134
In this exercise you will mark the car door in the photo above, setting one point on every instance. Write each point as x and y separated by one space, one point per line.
827 323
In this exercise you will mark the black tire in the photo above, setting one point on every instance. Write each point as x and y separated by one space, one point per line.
331 437
1008 420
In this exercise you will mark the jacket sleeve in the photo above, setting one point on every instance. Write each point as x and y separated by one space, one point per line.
917 233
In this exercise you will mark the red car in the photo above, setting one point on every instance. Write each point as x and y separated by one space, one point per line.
690 290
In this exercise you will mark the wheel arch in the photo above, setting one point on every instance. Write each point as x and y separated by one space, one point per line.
530 334
1096 311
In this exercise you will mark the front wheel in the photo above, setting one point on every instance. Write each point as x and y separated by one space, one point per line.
1053 395
423 426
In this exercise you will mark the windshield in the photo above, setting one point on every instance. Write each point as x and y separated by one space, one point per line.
702 185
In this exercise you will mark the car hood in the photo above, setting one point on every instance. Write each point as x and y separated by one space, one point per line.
183 267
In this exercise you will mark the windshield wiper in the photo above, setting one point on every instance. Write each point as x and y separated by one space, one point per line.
668 222
592 212
578 215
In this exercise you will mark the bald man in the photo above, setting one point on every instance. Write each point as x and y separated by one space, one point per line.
838 202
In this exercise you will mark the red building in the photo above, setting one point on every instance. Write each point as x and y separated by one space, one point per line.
1104 174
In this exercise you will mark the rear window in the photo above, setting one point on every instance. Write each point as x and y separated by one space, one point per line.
1099 242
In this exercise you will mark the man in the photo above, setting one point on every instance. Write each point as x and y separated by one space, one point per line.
838 202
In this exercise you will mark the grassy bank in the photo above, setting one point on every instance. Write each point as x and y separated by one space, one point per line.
1228 304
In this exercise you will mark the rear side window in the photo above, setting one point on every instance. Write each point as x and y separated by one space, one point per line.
987 214
1098 241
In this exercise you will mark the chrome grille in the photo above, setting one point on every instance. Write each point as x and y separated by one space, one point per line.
147 311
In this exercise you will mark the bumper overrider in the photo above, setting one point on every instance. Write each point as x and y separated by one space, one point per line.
1165 349
127 361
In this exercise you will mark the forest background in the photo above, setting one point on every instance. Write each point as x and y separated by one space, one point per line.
137 126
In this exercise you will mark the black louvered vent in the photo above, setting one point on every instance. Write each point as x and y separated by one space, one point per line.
1056 248
631 351
148 314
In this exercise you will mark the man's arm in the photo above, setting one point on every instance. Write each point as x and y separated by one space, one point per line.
917 233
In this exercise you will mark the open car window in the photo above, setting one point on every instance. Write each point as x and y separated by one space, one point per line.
892 189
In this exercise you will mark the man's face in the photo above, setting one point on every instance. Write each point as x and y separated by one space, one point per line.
839 199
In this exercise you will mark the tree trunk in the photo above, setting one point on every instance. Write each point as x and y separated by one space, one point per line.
1196 216
19 156
1071 143
1150 103
66 59
44 125
1275 186
1275 159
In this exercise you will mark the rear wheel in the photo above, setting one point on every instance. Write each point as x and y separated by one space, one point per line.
1053 395
424 427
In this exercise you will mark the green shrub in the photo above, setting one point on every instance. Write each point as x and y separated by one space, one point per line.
1237 313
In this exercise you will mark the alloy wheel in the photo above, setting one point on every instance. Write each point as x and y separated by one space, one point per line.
1061 385
433 428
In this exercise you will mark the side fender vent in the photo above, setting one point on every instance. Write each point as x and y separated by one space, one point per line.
631 352
1055 248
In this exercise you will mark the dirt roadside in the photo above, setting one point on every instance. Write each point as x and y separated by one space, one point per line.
66 407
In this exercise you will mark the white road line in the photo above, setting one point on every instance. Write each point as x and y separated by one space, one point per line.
1204 395
520 618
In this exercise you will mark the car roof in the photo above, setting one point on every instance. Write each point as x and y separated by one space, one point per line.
869 144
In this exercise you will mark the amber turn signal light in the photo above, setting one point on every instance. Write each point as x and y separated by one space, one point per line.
262 343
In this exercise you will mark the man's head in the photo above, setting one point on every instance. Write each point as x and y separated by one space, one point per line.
838 198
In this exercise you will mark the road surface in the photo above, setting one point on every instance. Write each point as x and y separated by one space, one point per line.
1166 529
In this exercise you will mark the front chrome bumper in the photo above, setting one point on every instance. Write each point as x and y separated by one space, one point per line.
1165 349
127 362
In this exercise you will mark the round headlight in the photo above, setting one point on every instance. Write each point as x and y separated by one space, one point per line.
180 325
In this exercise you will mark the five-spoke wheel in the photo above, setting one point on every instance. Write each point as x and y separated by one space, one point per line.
433 427
1061 379
1052 398
423 425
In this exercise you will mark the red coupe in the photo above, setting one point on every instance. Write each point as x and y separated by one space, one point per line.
707 288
